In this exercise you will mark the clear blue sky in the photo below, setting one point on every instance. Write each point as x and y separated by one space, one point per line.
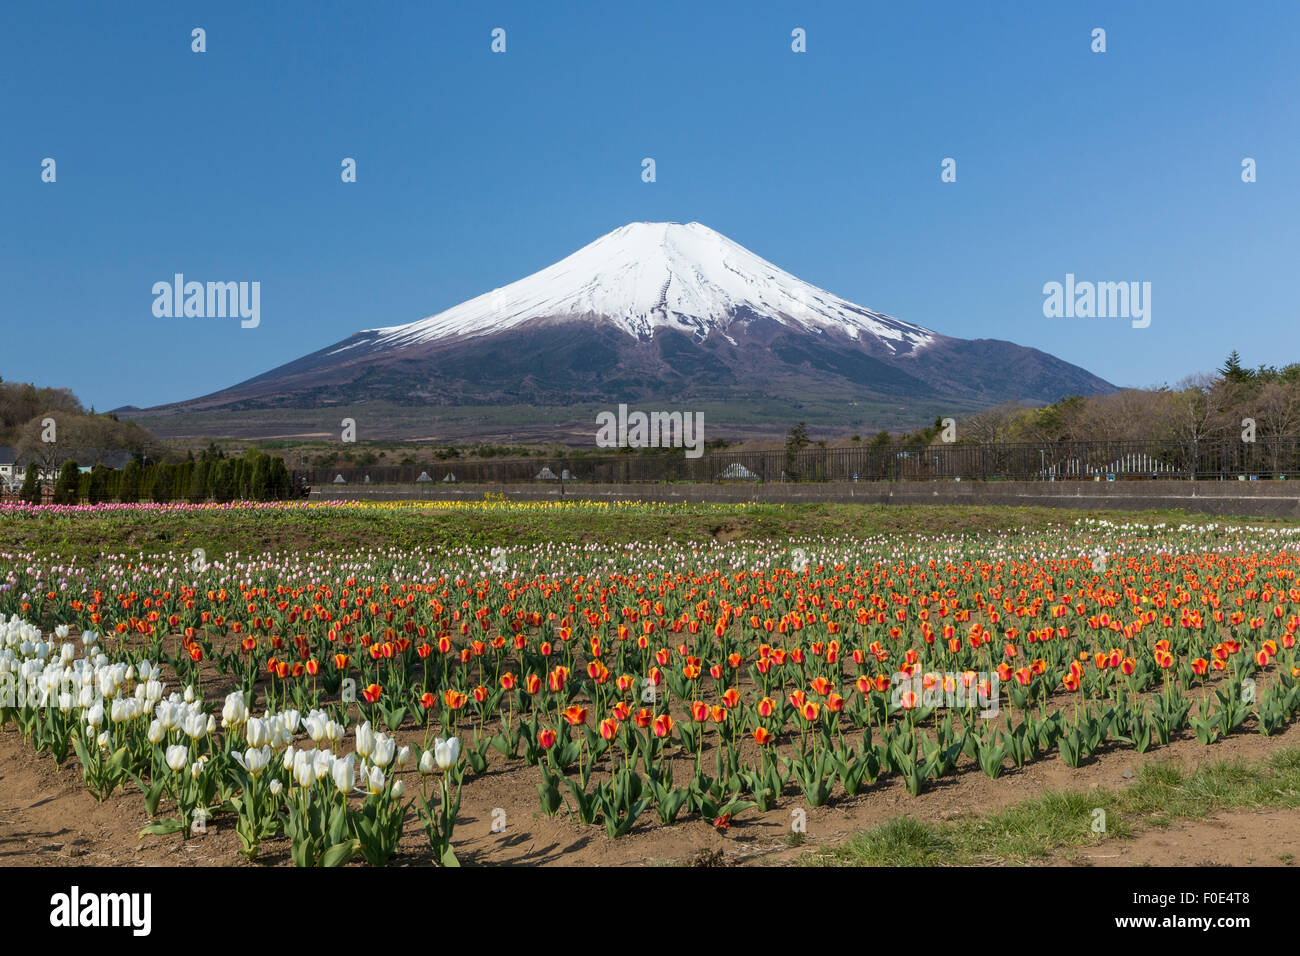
475 169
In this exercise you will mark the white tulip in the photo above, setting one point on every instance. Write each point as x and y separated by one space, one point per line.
177 756
403 758
255 733
323 765
343 771
385 750
195 726
168 715
276 788
304 769
235 712
254 761
315 725
399 788
375 782
156 734
365 740
446 752
279 731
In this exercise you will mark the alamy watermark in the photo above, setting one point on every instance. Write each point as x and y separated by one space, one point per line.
75 909
1101 300
951 690
211 300
653 430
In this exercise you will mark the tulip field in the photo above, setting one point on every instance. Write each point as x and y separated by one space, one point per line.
328 706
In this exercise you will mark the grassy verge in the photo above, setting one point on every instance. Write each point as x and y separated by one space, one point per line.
441 526
1161 795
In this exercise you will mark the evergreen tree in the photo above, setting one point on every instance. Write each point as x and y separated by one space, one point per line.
162 484
259 483
31 491
223 486
130 481
797 439
199 488
66 487
97 490
181 479
281 482
1234 371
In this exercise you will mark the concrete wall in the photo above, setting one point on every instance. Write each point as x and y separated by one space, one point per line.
1259 498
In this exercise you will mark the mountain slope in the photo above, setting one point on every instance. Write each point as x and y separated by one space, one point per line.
650 275
666 313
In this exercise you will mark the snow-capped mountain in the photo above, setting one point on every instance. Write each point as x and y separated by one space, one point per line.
650 275
663 314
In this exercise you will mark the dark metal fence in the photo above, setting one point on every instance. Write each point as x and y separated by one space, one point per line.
1274 458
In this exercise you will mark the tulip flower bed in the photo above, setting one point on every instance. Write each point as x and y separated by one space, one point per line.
335 702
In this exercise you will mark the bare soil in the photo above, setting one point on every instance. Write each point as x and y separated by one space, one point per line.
48 817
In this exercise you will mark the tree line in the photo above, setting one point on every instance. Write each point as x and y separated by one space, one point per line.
255 476
1232 401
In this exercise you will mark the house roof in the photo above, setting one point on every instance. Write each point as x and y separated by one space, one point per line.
8 455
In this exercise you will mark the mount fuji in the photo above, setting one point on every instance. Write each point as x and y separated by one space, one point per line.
664 313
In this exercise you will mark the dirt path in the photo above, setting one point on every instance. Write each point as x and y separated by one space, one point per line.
47 816
1230 838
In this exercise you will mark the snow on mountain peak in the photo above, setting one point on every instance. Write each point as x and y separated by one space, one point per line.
648 275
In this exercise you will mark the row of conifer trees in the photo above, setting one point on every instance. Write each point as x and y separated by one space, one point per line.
255 476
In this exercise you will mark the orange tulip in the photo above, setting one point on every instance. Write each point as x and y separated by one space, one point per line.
454 699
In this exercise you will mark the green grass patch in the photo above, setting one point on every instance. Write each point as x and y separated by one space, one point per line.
1063 820
450 525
